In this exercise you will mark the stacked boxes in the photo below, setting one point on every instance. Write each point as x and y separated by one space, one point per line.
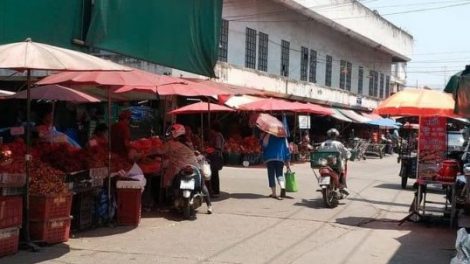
50 217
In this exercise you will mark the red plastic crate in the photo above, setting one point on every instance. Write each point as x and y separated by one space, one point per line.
9 240
12 179
50 231
11 211
49 207
129 206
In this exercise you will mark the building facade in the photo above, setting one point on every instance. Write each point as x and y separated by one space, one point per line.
331 52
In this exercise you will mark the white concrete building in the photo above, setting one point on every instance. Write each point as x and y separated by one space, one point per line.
335 52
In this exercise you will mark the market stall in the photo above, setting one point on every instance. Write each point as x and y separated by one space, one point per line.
433 108
28 56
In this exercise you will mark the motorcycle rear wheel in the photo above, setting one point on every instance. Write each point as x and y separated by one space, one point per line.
329 197
187 210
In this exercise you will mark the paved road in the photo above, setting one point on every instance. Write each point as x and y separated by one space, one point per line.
248 227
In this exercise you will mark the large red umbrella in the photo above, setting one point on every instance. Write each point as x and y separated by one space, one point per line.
313 109
56 93
272 104
201 107
270 125
417 102
135 77
181 88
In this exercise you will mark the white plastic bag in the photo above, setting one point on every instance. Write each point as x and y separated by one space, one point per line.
136 173
462 245
205 169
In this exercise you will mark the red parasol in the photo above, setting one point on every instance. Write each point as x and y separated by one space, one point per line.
200 107
182 88
272 104
313 109
270 125
56 93
135 77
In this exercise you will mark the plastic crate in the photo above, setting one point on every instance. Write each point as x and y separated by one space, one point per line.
11 211
129 206
316 156
99 173
50 231
50 207
77 176
233 158
12 179
11 191
9 240
82 210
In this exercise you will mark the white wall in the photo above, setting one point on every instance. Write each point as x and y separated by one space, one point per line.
312 34
352 16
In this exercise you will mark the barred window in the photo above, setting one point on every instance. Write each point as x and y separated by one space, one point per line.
348 75
387 86
223 44
372 83
250 48
382 87
342 74
360 80
303 64
263 51
329 66
313 67
376 83
285 46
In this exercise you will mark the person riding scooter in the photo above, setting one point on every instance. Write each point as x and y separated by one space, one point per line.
180 155
332 144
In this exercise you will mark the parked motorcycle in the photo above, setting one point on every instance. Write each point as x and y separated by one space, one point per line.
328 164
187 191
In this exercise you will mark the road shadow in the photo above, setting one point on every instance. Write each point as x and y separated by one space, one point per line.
393 186
110 230
424 242
314 203
380 202
247 196
43 256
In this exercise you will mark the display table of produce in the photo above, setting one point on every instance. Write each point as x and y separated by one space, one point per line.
239 150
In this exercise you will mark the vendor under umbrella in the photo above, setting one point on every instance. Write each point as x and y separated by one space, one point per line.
100 137
121 135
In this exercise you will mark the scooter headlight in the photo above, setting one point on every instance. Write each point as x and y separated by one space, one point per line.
322 162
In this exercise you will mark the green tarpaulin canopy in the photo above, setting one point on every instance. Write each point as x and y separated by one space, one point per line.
183 34
54 22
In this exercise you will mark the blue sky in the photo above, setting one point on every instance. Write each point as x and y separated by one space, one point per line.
441 42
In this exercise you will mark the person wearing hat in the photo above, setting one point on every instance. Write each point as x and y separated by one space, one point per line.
179 154
121 134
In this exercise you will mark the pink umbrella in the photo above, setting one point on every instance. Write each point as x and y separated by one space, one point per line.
313 109
271 104
135 77
182 88
56 93
201 107
270 125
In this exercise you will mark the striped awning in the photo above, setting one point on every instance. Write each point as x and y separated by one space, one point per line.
355 117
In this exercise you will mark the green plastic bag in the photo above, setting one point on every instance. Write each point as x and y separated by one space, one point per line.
291 184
